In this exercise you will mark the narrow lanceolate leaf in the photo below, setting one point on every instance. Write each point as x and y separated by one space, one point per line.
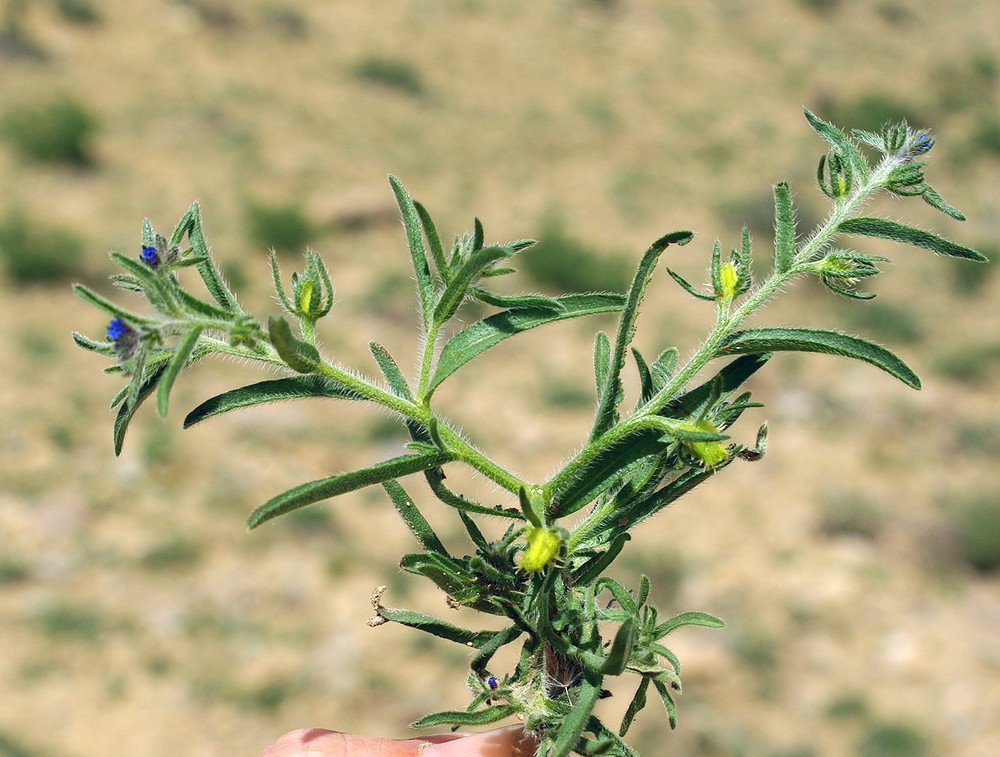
897 232
635 706
418 257
840 142
480 336
130 405
602 359
436 626
393 376
413 518
178 362
612 466
454 294
133 319
314 491
723 383
487 716
784 228
274 390
433 240
702 619
621 649
206 267
754 341
610 392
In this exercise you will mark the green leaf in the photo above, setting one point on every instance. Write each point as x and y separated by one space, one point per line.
500 638
688 287
702 619
784 227
413 518
635 706
611 467
433 241
729 379
191 224
130 405
514 301
274 390
177 363
596 565
610 392
668 701
782 339
461 717
455 293
932 198
298 355
393 376
480 336
105 348
840 142
621 649
602 359
575 721
133 319
897 232
436 627
314 491
418 257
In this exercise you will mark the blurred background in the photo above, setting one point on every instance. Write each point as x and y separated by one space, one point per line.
857 564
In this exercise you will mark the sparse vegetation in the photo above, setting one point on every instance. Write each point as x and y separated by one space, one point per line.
392 73
892 740
283 226
35 252
51 131
978 524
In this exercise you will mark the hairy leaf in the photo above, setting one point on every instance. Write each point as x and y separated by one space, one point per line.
781 339
314 491
178 362
274 390
480 336
898 232
418 257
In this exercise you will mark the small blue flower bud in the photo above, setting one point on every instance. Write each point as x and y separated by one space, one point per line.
921 144
492 682
117 329
150 256
124 338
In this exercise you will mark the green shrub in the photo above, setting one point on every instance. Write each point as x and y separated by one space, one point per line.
851 515
392 73
33 252
78 11
892 740
174 553
978 523
69 622
893 324
973 364
283 226
57 131
562 263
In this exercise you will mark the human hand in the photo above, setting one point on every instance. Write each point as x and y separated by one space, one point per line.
320 742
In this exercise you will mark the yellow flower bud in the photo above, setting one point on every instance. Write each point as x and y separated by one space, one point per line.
543 546
729 279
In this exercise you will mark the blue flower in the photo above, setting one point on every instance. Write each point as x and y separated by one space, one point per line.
150 256
123 337
921 144
492 682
